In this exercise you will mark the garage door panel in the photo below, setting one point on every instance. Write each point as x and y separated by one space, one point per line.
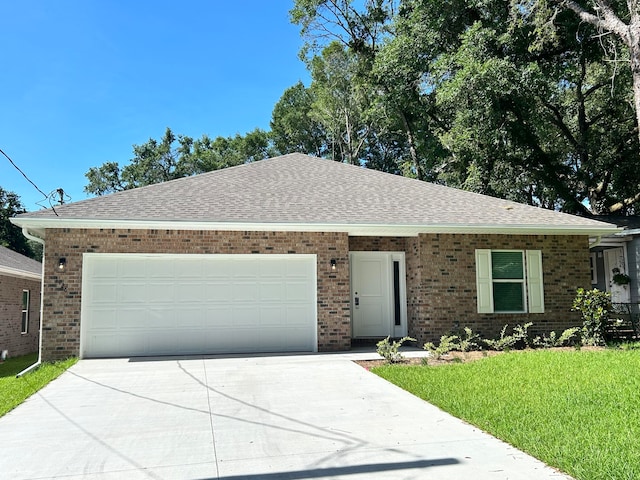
101 293
186 304
158 269
245 292
191 269
245 316
272 270
298 268
191 318
246 268
272 292
219 291
298 292
189 292
129 318
157 292
160 318
132 293
272 316
134 269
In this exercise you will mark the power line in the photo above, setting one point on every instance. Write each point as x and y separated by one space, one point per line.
46 197
23 174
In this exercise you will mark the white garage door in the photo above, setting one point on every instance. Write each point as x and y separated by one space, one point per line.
137 305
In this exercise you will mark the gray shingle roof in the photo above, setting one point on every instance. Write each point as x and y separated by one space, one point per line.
298 189
13 261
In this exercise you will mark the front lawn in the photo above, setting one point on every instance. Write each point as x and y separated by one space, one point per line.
14 390
578 411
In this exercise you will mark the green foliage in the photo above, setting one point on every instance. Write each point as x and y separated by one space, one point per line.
390 350
469 341
488 96
293 128
504 342
11 235
177 156
16 390
521 335
574 410
571 336
448 343
595 307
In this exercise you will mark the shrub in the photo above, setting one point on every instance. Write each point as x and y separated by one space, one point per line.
521 335
448 343
568 337
505 342
594 306
469 341
389 350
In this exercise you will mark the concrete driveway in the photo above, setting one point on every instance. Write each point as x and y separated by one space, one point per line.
272 417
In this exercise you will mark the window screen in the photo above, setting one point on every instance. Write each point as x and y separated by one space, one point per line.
507 271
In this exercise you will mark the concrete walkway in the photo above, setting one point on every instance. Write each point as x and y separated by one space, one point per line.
273 417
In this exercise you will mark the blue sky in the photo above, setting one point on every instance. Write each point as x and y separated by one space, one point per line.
84 80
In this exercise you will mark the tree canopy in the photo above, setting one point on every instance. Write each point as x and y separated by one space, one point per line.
522 100
11 235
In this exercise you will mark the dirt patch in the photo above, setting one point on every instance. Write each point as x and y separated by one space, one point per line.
459 357
452 357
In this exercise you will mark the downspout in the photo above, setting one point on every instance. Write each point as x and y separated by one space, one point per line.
597 242
39 240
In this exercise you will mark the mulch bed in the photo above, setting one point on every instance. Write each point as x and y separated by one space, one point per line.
457 357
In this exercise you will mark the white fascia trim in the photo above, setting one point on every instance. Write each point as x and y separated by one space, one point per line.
14 272
628 233
38 226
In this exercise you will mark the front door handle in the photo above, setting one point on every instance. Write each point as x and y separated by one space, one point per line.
356 302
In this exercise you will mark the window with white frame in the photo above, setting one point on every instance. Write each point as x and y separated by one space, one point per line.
509 281
25 311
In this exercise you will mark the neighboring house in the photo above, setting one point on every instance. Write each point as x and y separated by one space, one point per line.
20 282
618 253
298 253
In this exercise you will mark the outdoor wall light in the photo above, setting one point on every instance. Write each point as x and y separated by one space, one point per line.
333 263
62 264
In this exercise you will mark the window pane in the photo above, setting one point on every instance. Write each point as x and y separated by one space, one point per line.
25 299
25 322
508 297
507 265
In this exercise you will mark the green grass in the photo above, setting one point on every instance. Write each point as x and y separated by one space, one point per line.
578 411
14 390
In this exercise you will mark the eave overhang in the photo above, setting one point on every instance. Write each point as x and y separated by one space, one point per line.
38 227
14 272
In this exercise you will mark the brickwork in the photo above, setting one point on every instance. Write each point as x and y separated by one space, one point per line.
440 269
61 313
377 244
11 337
441 282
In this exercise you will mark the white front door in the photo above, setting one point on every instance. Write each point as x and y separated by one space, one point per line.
378 298
614 259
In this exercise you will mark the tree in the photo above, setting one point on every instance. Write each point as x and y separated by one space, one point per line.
11 235
293 128
608 17
177 156
533 123
340 103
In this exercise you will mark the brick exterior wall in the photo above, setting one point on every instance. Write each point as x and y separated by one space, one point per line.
441 280
440 271
441 283
11 337
61 313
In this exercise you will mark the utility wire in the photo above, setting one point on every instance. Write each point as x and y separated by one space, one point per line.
23 174
29 180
